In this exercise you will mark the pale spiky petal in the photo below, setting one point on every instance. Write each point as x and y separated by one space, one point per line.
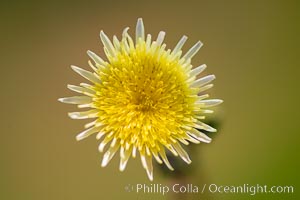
198 70
156 156
86 74
116 43
104 143
125 32
160 37
84 114
201 125
134 151
193 51
144 98
192 139
96 58
107 44
140 30
148 42
200 98
165 159
210 102
76 100
206 87
203 81
124 157
182 153
109 154
100 135
88 132
199 135
147 164
207 111
179 45
82 90
90 124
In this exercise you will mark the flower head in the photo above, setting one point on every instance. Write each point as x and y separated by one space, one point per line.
144 99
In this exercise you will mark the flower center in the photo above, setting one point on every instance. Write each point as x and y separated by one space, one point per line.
144 102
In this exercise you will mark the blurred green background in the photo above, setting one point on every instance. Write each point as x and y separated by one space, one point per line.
251 46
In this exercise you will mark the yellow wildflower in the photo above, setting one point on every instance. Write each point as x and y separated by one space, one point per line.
144 99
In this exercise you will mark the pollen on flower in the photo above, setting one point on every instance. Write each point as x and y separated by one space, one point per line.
144 98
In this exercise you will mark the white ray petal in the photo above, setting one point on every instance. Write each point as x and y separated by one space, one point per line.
148 153
116 42
147 164
109 154
200 117
84 114
160 37
183 141
76 100
199 135
88 105
86 74
140 30
87 132
97 67
124 155
197 70
192 139
211 102
193 51
97 59
206 111
156 156
100 135
143 159
134 151
162 154
203 81
124 33
204 88
176 56
127 40
127 146
130 42
114 142
124 40
199 98
185 62
107 44
86 85
205 127
148 42
90 124
93 67
179 45
182 153
106 140
172 150
81 90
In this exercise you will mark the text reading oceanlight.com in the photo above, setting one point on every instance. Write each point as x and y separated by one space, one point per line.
211 188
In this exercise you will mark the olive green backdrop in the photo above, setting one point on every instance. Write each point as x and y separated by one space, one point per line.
251 46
